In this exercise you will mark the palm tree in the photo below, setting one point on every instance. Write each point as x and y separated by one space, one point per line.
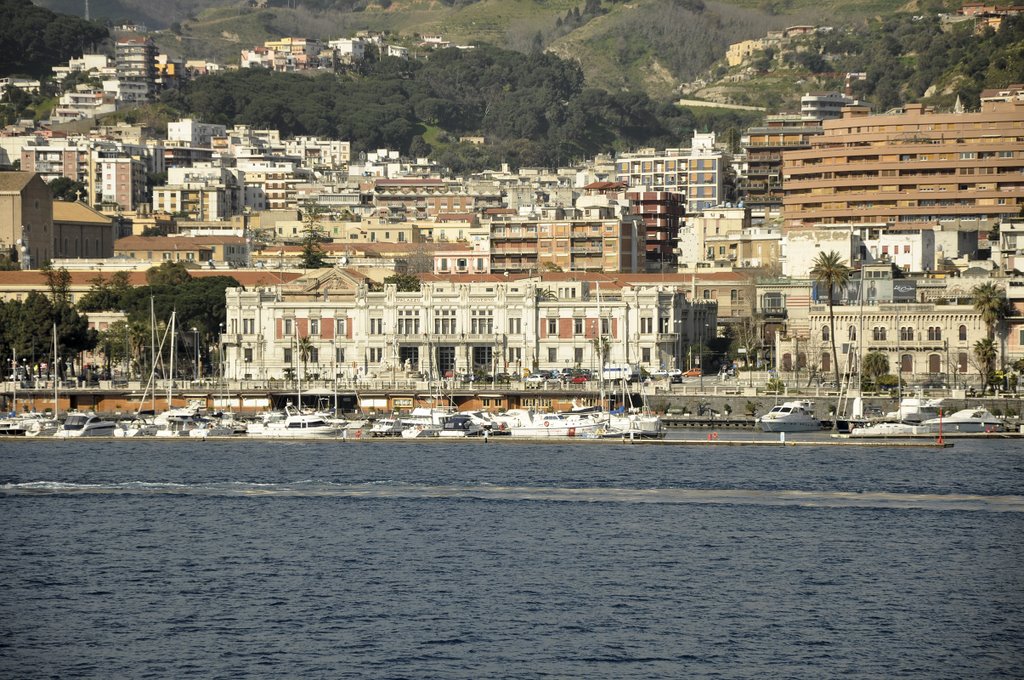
990 301
876 364
830 269
985 356
305 351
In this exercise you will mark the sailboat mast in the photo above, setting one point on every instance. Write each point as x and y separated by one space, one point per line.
56 380
152 354
170 383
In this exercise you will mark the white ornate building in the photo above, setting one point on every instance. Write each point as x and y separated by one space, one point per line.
454 325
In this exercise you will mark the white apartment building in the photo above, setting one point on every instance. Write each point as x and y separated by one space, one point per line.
194 133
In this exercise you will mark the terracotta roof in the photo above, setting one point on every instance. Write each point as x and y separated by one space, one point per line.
246 277
72 211
473 278
174 242
14 181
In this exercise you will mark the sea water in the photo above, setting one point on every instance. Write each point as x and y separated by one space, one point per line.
243 559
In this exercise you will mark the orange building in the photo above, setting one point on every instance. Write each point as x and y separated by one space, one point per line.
916 166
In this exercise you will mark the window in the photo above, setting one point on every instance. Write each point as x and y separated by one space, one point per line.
577 355
906 364
878 333
247 355
645 355
934 363
375 355
552 326
444 322
961 362
606 326
340 327
288 327
314 326
646 325
552 355
851 333
963 333
287 355
934 333
515 326
376 326
339 355
824 333
906 333
482 321
248 326
577 326
515 354
826 362
408 322
314 356
663 324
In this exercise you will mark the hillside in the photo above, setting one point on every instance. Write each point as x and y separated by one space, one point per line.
648 45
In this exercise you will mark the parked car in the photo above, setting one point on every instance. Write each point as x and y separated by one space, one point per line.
580 379
693 373
538 378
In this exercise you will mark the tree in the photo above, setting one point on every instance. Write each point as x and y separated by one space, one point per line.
407 283
305 352
313 254
985 360
66 189
168 274
59 283
830 270
990 301
875 365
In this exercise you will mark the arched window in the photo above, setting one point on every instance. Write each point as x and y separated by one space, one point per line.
961 362
963 333
906 364
787 362
934 363
878 333
826 362
824 333
851 333
934 333
801 360
906 333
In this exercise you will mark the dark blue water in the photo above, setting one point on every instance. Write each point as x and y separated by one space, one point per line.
408 560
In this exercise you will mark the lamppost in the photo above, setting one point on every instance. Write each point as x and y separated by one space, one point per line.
700 356
220 353
195 342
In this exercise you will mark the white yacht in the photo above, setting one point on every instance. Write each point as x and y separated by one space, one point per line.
85 425
972 420
386 427
791 416
634 423
546 425
292 424
12 427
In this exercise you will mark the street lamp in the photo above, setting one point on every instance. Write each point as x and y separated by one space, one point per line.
195 342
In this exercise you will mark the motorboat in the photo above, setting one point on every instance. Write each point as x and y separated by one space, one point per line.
12 427
904 421
914 410
85 425
420 431
790 416
39 424
546 425
463 425
137 427
178 422
386 427
292 424
634 424
971 420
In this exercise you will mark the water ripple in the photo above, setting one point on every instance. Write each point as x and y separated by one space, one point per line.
389 489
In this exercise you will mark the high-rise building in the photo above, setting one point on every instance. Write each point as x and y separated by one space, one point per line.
761 185
135 57
915 166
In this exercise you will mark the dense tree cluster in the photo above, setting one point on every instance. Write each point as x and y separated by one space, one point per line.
534 109
904 55
34 39
26 333
198 302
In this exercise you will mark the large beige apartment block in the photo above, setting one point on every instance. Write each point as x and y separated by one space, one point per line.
916 166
